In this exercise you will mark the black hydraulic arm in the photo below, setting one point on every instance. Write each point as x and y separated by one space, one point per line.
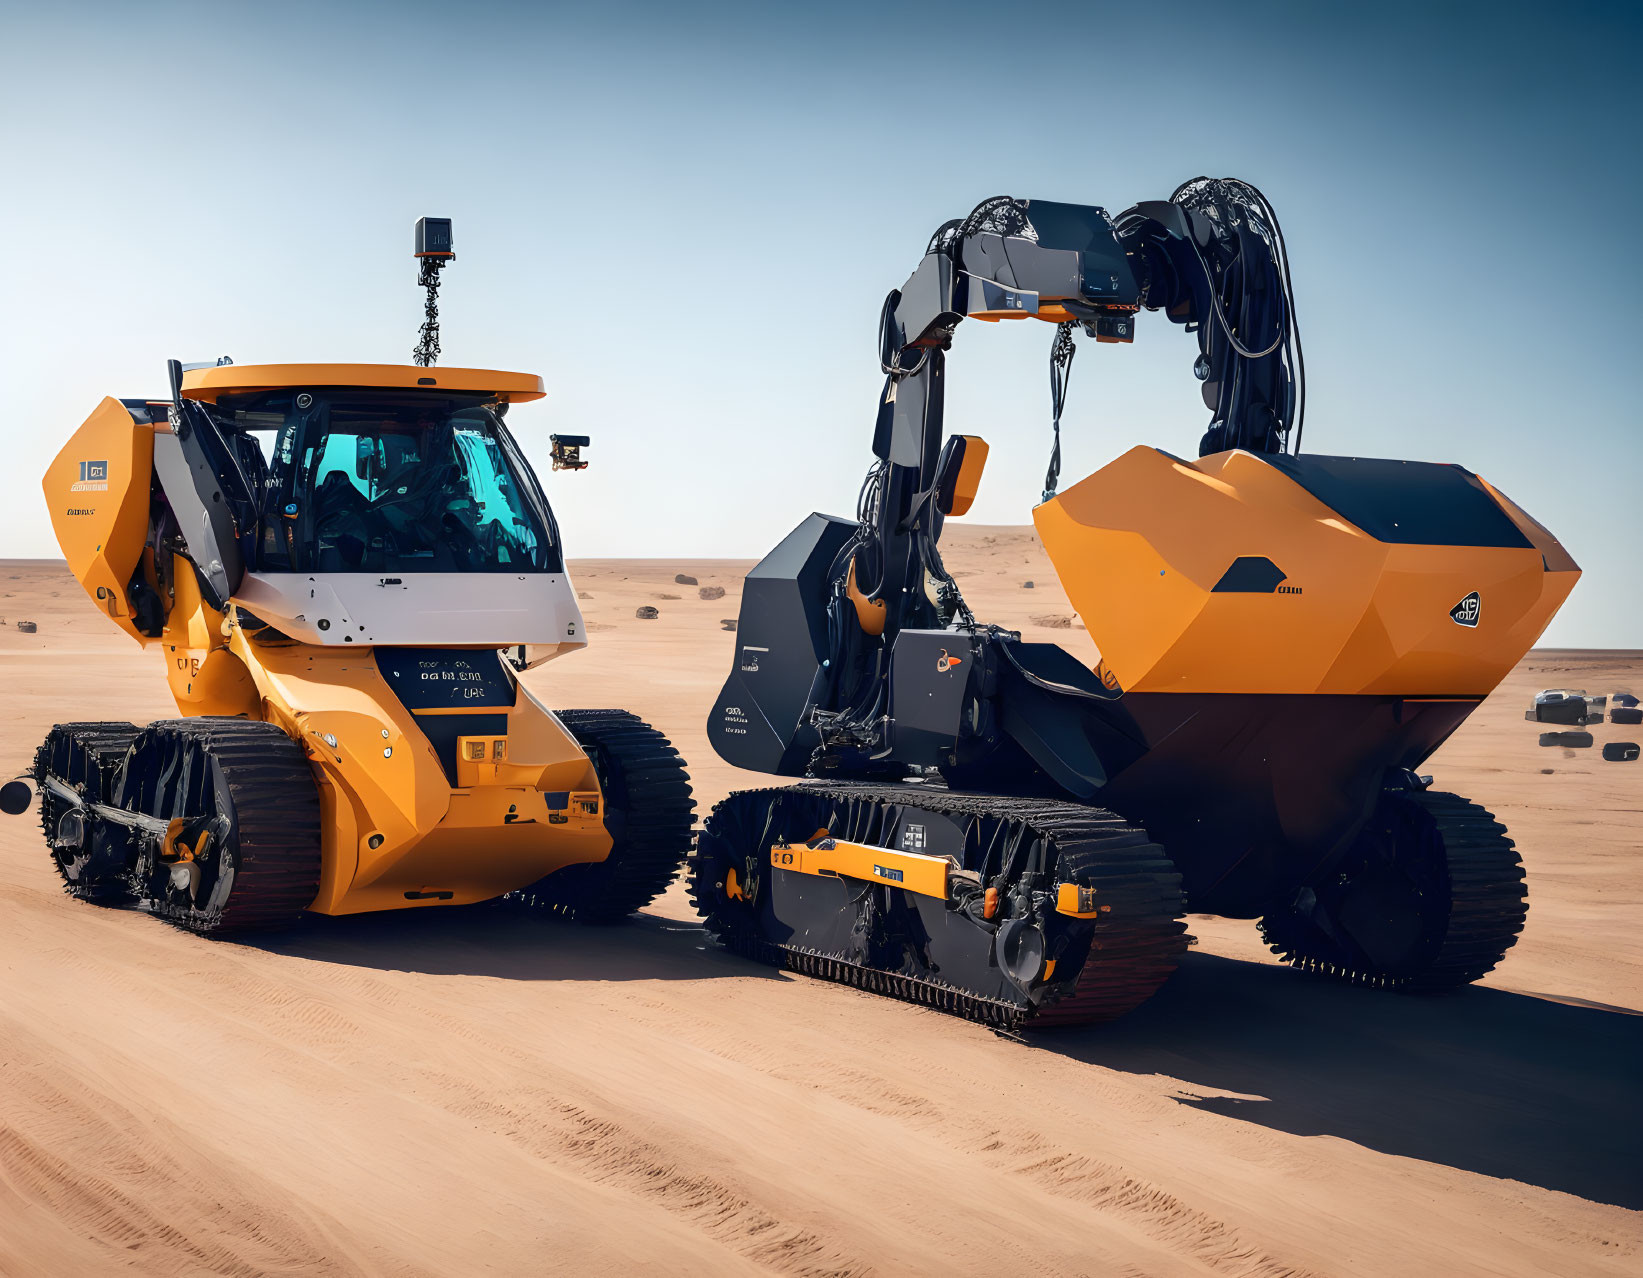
1211 258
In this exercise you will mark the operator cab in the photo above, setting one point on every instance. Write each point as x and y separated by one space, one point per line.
361 482
388 505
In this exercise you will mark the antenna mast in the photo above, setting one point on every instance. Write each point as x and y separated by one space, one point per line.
433 251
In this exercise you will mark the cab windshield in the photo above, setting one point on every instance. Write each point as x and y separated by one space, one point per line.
361 482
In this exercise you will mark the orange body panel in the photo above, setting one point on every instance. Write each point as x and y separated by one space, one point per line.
1141 544
969 474
382 780
870 613
208 384
97 492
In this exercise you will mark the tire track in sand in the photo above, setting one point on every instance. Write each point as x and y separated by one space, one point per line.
547 1127
159 1214
1197 1236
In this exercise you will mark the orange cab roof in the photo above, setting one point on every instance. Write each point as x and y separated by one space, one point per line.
232 379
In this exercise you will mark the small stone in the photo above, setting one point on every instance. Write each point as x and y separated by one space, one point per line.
582 594
684 579
712 592
646 613
1026 585
727 623
1053 621
27 627
663 595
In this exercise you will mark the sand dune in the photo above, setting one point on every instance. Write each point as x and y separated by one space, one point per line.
471 1091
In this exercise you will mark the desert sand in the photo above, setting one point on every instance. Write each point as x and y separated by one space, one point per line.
469 1091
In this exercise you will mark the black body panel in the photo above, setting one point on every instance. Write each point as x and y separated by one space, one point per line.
1252 794
1052 708
446 678
1405 502
432 680
929 677
781 642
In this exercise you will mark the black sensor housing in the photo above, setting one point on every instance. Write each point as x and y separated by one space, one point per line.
433 237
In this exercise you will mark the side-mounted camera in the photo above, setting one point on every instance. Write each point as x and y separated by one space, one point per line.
567 451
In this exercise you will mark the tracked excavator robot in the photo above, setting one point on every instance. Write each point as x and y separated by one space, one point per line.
343 568
993 828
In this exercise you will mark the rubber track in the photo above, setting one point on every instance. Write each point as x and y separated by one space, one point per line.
277 820
1488 904
107 744
649 811
1134 949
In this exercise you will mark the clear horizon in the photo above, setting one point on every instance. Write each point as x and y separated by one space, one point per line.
686 222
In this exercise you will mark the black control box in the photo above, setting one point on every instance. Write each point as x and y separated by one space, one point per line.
930 673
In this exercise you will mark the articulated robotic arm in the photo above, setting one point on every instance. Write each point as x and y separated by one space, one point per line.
1211 258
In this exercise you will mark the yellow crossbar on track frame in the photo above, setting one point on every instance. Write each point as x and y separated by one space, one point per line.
836 858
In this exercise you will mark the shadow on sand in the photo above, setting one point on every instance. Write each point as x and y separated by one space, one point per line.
504 941
1484 1080
1488 1081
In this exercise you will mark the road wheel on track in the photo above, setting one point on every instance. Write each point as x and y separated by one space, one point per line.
260 867
1429 898
648 811
86 757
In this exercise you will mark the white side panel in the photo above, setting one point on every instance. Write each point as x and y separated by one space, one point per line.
491 609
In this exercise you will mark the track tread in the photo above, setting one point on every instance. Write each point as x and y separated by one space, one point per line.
276 814
1488 906
277 820
106 743
648 809
1138 945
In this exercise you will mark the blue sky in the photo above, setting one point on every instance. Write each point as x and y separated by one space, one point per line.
686 218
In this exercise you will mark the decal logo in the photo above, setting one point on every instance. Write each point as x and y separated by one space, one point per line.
1108 679
912 837
886 872
1466 612
946 662
93 478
